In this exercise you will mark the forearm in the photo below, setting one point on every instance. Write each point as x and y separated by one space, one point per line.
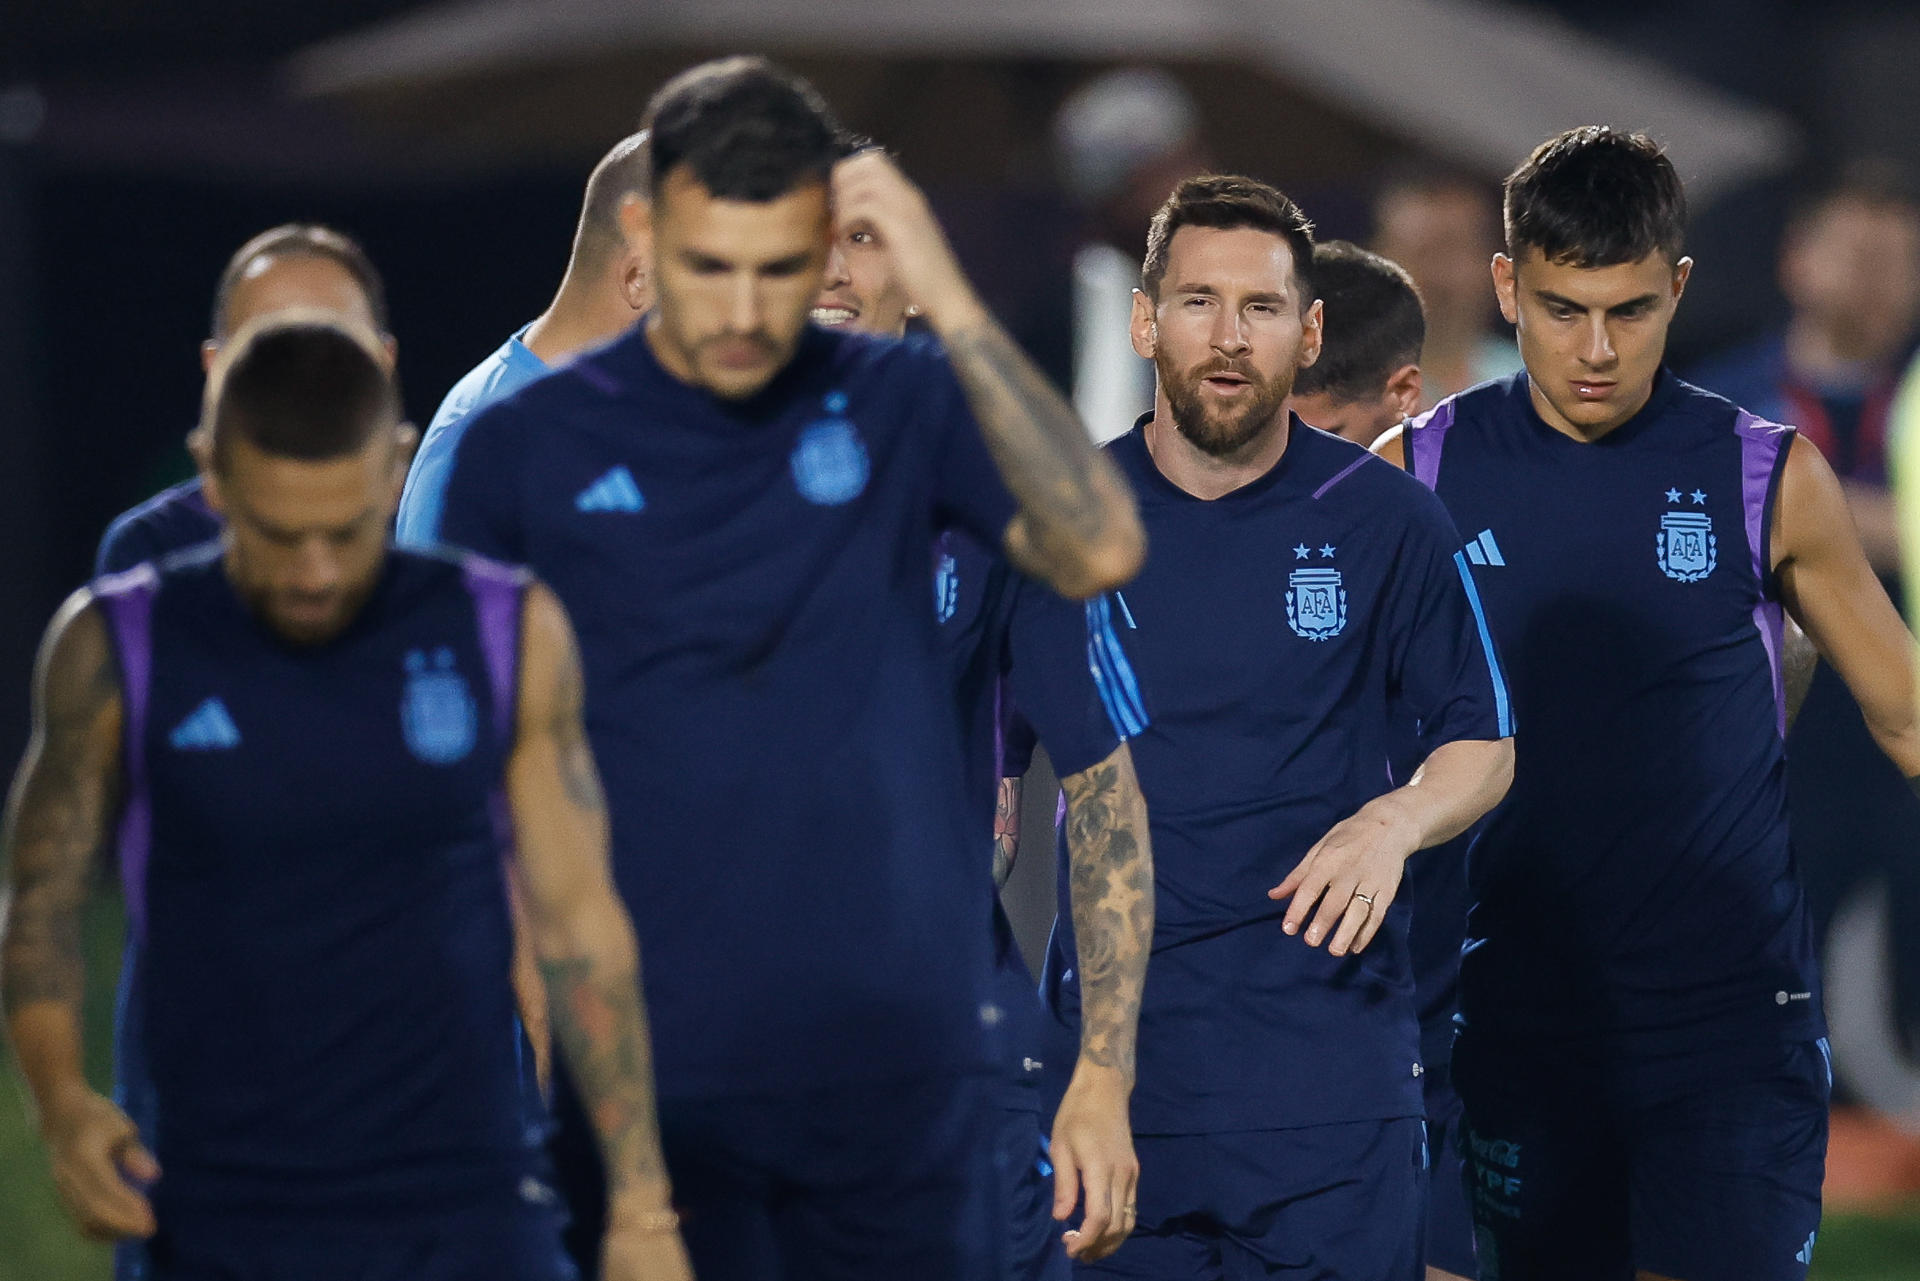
591 966
1077 527
1006 831
1111 859
46 1042
1450 792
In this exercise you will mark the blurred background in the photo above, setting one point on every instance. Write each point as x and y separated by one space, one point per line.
141 143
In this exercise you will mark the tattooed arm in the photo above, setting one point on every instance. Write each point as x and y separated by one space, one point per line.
1111 865
63 803
1006 831
1076 528
586 945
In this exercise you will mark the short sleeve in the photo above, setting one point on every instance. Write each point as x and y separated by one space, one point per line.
1071 676
1442 665
463 489
967 487
1017 741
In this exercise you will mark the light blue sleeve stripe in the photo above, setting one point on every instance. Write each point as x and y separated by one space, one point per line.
1112 673
1503 710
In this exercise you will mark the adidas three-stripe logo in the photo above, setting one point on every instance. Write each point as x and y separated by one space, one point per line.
1484 551
208 728
614 492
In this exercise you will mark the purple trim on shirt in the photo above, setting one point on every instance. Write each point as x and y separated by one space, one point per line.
1761 443
497 591
127 600
1426 436
1343 473
597 378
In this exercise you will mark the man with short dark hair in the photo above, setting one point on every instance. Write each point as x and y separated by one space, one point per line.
317 753
1367 378
602 293
736 507
1642 1049
1299 599
297 264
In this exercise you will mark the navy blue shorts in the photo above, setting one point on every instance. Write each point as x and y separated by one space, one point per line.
1586 1169
1449 1216
491 1244
1034 1248
873 1182
1321 1201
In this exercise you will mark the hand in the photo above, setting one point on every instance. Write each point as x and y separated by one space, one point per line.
1092 1152
1361 859
95 1150
644 1247
870 190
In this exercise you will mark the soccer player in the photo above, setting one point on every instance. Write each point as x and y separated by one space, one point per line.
736 508
1642 1051
1299 597
1112 872
602 293
1367 378
316 753
292 265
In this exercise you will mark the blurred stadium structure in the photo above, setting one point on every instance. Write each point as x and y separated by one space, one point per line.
140 143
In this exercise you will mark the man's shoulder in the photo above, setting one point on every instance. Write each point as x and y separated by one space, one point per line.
176 517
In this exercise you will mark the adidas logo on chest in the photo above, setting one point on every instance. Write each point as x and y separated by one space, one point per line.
207 728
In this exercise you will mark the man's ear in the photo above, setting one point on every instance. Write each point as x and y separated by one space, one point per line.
1313 333
209 352
1404 389
406 441
1142 327
1505 288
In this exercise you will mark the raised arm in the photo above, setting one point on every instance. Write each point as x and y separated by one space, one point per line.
1076 527
1831 591
586 945
1111 872
62 807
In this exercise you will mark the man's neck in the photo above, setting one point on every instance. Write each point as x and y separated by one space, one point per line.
582 314
1204 475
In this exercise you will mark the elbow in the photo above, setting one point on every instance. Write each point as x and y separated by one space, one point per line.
1113 560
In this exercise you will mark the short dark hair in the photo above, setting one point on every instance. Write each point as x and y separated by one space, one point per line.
301 240
1227 202
749 130
623 171
300 388
1373 323
1596 197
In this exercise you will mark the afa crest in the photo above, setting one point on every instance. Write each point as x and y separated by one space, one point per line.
946 588
1316 603
437 711
830 463
1686 546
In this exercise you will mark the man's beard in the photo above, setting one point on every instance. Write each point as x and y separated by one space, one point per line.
1221 431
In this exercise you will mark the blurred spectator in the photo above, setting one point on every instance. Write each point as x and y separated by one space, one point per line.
1850 270
1444 228
1122 140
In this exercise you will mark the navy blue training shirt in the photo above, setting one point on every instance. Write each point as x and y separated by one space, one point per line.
768 697
172 520
1271 633
1637 882
312 850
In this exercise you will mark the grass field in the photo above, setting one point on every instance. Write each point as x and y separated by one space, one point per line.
36 1243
